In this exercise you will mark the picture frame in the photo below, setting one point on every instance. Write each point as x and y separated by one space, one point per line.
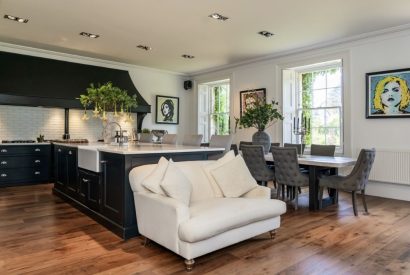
388 94
248 97
167 109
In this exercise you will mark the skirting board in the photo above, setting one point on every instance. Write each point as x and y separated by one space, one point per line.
388 190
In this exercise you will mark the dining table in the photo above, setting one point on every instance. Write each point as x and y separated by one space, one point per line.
315 164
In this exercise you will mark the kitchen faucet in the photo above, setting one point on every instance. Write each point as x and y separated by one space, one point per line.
121 138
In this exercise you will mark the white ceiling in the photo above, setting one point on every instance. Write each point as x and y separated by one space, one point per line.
176 27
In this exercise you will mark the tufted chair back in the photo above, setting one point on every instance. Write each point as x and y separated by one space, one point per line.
358 178
295 145
192 140
287 170
255 160
322 150
169 139
241 143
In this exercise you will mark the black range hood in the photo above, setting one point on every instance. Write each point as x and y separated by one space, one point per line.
34 81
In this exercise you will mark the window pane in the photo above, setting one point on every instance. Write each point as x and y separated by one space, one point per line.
318 135
333 136
220 124
332 118
334 97
318 118
318 98
319 80
334 78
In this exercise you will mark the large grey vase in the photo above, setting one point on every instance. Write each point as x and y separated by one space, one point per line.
261 138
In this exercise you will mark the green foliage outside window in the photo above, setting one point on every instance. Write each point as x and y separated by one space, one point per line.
220 110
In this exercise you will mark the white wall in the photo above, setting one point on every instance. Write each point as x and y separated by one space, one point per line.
27 122
371 54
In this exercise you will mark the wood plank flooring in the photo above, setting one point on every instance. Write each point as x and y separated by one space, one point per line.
41 234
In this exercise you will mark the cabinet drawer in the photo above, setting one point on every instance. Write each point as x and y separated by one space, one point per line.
23 161
25 150
24 174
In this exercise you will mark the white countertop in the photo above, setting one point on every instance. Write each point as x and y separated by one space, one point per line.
322 161
141 148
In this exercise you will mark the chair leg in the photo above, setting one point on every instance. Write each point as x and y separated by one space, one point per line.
283 192
278 191
189 264
274 184
320 196
366 212
354 203
296 199
300 190
272 234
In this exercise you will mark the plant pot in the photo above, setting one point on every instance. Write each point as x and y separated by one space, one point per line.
261 138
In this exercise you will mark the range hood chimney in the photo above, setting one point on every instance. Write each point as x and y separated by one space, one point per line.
34 81
66 123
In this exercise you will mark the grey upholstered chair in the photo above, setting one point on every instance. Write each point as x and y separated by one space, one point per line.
169 139
192 140
255 160
295 145
273 144
322 150
146 137
234 147
355 181
220 141
244 143
287 170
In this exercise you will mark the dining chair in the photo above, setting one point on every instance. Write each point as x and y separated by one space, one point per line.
220 141
295 145
255 160
244 143
354 182
322 150
192 140
169 139
273 144
287 172
234 147
146 137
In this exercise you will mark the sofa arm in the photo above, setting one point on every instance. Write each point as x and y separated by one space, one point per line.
158 218
259 192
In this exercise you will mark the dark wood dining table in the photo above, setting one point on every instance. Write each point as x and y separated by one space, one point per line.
315 164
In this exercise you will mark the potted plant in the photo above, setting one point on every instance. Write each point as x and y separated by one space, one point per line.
260 115
106 98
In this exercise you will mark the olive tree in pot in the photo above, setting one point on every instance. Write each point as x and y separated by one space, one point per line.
260 115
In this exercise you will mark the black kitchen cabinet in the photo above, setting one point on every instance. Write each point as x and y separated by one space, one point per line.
90 189
24 164
66 170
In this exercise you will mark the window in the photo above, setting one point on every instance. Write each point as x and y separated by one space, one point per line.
318 97
213 111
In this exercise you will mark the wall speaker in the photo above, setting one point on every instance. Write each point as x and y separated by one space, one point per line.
187 84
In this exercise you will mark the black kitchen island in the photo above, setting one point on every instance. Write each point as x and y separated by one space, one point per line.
107 196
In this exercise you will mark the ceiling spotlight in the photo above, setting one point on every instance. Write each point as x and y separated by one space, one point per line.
143 47
266 33
89 35
218 16
15 18
187 56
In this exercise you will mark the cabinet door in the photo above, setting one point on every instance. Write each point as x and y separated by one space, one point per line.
113 187
90 189
59 168
71 172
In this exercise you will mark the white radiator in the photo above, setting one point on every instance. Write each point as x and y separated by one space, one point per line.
391 166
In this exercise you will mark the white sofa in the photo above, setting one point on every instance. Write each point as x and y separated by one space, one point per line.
210 222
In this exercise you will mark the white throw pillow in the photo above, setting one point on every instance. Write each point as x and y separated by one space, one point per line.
209 167
153 180
234 178
176 185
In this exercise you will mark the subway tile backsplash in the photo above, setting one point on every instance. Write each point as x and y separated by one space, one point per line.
17 122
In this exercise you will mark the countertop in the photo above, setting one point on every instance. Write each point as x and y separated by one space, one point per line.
141 148
17 144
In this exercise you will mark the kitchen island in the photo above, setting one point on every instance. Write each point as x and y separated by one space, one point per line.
105 194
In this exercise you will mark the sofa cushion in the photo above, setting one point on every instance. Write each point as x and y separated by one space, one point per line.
176 185
234 178
153 180
211 166
215 216
201 187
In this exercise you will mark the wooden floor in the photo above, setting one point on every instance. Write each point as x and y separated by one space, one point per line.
41 234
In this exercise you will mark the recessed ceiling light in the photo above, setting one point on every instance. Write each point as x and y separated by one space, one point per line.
218 16
188 56
143 47
15 18
89 35
266 33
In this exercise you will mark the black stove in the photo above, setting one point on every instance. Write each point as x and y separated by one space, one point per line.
18 141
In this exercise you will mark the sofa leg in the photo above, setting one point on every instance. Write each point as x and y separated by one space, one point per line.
272 234
189 264
146 242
